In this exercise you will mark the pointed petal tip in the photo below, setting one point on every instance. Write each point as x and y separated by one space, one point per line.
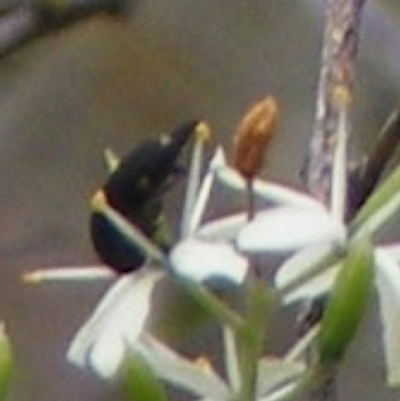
31 277
104 360
115 325
67 273
219 159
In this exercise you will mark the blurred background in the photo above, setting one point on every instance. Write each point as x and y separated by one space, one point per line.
112 80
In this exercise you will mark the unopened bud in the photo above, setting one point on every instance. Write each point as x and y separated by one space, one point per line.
253 136
347 303
6 363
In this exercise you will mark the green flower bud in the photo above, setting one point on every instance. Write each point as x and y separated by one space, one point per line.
138 382
347 302
6 363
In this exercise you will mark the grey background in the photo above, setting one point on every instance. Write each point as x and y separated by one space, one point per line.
112 81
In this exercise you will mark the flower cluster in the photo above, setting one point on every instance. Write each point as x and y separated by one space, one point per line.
323 256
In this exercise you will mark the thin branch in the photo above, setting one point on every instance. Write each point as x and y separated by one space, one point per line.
335 92
15 27
364 178
20 24
325 172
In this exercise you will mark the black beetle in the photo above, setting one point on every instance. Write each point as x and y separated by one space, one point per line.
135 190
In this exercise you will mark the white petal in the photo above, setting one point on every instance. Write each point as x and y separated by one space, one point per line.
318 285
106 353
304 268
204 193
271 192
289 228
69 273
282 393
275 373
202 261
388 285
193 185
219 159
118 320
339 167
393 250
179 371
224 228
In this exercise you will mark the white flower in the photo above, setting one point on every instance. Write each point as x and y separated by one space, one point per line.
290 220
116 323
299 224
214 252
199 378
211 249
121 315
296 223
387 283
200 256
119 318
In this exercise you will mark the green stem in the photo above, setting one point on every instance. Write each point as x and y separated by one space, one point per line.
231 358
214 306
251 336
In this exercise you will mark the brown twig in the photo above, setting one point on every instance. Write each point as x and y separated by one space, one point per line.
336 76
16 26
21 24
332 116
364 178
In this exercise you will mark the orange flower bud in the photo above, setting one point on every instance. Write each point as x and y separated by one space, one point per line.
253 135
